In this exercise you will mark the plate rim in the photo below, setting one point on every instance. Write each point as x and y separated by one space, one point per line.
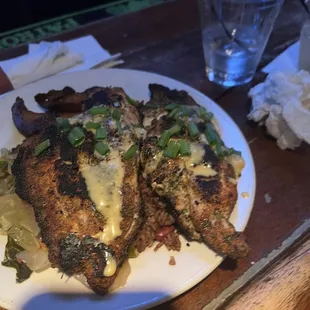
202 98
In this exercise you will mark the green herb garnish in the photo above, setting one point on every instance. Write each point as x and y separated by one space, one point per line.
212 136
206 224
175 129
172 149
132 252
171 106
62 124
173 113
92 125
42 147
102 148
206 116
231 151
193 130
101 134
184 111
150 105
129 154
99 111
164 138
76 136
119 127
185 149
116 114
131 101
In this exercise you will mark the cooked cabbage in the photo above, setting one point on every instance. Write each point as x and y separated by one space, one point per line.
36 260
14 211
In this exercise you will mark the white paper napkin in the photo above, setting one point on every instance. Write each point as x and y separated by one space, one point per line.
47 59
287 61
281 101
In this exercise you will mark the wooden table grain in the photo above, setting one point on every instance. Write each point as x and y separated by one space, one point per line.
166 39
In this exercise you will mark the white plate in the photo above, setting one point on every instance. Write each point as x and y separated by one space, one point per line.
152 279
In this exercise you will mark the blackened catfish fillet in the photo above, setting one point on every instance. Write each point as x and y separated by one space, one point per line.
27 122
201 187
65 100
87 205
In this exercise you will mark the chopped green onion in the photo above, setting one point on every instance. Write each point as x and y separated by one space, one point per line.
132 252
102 148
62 124
175 129
206 116
180 122
3 164
92 125
231 151
171 106
185 149
211 135
101 134
173 113
116 114
131 101
152 106
130 152
164 138
172 149
177 115
193 130
42 147
184 111
99 110
76 136
119 127
219 149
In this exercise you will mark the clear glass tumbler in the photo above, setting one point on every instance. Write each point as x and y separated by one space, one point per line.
234 36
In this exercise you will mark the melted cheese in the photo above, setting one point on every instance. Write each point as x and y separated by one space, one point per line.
245 195
237 162
104 183
203 170
232 181
147 121
198 153
111 265
152 164
140 132
195 164
122 276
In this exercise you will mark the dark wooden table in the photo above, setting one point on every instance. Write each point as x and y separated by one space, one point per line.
166 39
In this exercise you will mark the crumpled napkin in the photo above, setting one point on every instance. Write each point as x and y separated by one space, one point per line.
43 59
282 104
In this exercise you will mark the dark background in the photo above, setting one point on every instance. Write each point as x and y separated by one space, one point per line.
18 13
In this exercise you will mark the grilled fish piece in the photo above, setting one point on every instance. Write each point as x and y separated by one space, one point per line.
65 100
87 205
201 189
27 122
64 103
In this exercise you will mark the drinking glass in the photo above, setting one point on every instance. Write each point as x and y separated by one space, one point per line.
234 36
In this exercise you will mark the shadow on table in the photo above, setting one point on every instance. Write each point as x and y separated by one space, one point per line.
85 301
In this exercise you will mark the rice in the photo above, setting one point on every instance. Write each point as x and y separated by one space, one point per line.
157 219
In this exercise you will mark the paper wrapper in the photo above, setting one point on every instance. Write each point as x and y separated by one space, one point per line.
282 104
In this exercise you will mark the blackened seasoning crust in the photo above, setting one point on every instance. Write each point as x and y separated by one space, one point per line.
69 222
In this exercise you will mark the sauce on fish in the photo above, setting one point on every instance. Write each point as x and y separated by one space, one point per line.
194 163
104 183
